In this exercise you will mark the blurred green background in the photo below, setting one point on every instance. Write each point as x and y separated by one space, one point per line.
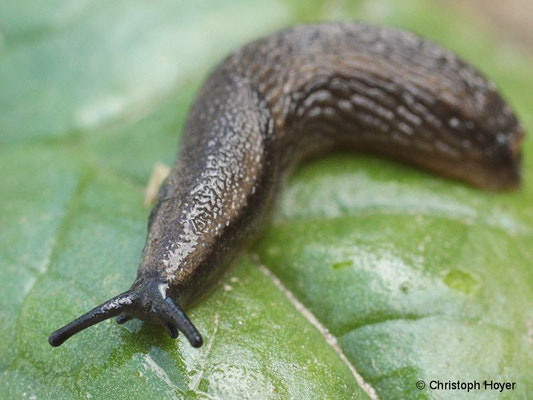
416 277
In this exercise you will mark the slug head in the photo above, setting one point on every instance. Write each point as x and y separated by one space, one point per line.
147 301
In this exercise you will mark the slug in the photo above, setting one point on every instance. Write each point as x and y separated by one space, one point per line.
294 94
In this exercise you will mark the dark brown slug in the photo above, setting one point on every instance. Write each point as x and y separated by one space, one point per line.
299 92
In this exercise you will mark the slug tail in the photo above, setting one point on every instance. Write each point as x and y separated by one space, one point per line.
104 311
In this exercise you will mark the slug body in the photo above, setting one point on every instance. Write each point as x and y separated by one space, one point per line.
295 93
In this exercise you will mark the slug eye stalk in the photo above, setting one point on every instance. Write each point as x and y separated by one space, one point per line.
129 305
109 309
177 319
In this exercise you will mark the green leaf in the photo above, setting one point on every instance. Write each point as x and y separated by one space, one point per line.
372 276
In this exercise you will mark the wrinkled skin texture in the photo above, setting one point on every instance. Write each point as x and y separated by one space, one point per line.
300 92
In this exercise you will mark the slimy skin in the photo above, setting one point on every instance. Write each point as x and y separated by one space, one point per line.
304 91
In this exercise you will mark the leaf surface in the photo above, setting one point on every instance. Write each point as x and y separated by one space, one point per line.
415 277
